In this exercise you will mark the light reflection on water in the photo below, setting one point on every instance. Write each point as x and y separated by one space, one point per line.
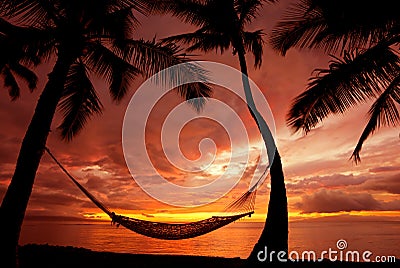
234 240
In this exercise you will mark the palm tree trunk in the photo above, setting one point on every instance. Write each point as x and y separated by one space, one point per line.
274 237
16 199
275 232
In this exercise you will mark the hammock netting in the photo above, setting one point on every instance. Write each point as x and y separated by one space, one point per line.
240 208
176 231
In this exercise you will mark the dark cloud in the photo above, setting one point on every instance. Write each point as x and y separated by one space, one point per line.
328 201
30 217
384 169
5 175
332 181
52 179
54 198
388 184
95 183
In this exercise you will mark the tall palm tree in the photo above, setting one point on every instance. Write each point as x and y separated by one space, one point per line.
83 38
221 26
367 67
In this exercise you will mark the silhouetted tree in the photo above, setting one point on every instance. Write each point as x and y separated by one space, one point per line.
222 26
80 38
366 34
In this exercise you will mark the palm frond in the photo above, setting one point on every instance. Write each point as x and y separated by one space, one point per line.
110 19
79 102
151 57
118 24
195 12
34 13
160 7
249 9
181 77
29 45
383 112
37 46
118 72
254 42
347 82
10 83
202 41
333 25
25 74
298 28
144 7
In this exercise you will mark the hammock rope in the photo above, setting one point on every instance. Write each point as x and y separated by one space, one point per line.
242 207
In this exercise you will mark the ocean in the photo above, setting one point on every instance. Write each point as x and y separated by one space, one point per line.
234 240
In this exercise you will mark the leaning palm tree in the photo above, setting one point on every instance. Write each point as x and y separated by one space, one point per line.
221 26
366 68
81 38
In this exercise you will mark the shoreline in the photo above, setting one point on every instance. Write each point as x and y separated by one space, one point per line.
44 255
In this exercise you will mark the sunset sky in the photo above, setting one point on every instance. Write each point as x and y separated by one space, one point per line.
320 178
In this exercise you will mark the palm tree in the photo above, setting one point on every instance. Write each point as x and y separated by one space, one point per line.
83 38
221 26
367 67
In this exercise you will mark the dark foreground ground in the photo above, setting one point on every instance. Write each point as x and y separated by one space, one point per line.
59 257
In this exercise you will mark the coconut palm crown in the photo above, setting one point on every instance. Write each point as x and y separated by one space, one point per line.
365 66
81 40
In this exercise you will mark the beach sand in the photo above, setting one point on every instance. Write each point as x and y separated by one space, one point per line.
33 255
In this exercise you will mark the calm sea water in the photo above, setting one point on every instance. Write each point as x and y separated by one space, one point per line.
234 240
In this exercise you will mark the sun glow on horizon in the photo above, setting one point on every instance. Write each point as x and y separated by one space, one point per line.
256 217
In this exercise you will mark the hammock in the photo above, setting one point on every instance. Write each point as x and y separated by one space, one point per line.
244 206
